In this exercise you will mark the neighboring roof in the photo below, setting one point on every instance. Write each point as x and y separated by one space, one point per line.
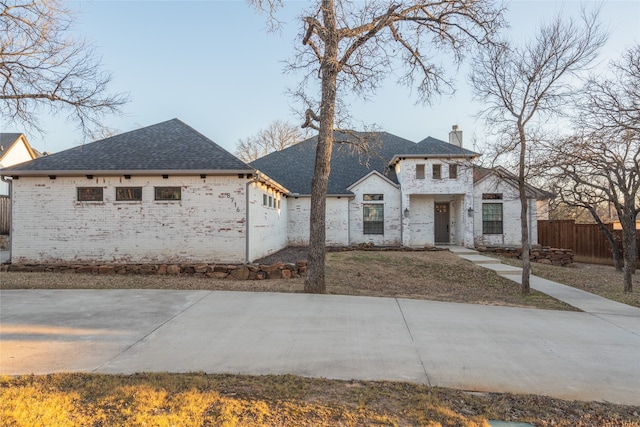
8 140
37 153
480 173
170 146
293 167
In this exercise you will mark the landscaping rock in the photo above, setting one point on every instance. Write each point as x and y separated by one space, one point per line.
173 269
239 273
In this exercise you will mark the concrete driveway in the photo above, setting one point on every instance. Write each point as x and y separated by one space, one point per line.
570 355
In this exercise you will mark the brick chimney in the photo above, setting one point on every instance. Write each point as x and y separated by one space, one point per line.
455 136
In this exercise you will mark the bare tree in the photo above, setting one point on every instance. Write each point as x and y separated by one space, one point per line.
277 136
521 86
43 68
575 189
351 47
604 157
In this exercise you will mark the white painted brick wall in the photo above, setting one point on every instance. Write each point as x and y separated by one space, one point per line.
208 224
511 235
406 172
419 197
337 221
337 225
267 225
375 184
298 224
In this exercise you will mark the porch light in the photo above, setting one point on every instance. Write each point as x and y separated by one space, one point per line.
406 212
470 211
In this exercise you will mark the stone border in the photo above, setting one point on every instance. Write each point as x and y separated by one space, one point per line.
540 254
278 270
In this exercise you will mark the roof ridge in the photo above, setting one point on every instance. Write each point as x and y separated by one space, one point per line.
171 145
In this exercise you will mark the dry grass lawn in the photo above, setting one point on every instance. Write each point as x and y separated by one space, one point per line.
234 400
438 276
197 399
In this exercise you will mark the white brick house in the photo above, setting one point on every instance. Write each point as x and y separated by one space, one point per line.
402 193
166 193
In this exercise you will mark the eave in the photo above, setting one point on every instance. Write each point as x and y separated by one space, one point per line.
133 172
399 157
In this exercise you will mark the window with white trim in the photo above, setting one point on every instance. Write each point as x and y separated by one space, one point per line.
373 219
492 221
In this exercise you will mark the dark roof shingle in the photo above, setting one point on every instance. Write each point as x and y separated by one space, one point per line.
293 167
167 146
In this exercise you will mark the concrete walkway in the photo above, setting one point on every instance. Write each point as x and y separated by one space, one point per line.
611 311
570 355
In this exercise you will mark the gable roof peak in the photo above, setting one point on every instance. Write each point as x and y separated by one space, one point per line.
170 146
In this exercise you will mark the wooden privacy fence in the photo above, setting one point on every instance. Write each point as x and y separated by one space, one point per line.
588 242
5 214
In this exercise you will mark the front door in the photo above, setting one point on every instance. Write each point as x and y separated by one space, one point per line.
442 222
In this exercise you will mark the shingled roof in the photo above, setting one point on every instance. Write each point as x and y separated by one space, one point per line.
293 167
170 147
480 173
7 140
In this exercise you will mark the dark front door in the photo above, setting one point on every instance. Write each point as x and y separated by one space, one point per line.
442 222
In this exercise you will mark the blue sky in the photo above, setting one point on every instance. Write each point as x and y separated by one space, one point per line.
213 65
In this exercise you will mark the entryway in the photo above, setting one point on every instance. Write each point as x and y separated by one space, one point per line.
441 224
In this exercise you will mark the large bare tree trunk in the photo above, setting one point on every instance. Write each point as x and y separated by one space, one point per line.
315 279
524 214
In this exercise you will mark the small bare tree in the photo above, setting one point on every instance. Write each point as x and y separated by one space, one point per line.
277 136
578 190
604 157
351 47
521 86
43 68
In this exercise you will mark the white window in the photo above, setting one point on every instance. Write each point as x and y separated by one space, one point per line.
373 222
492 218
